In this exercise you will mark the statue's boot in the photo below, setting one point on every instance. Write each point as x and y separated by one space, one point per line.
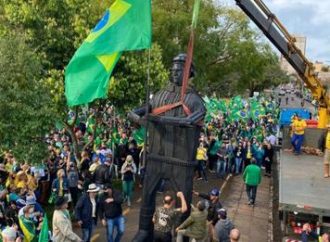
143 236
145 232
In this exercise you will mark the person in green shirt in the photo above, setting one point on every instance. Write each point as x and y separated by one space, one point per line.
212 152
252 178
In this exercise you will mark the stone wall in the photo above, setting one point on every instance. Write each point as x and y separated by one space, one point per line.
312 136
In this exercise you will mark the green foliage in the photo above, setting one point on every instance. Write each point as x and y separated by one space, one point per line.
228 54
171 27
55 29
260 68
229 58
24 100
128 89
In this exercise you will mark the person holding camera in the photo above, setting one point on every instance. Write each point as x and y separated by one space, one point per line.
128 171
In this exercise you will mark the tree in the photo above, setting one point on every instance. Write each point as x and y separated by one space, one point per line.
128 87
258 68
171 28
55 29
325 68
24 101
227 50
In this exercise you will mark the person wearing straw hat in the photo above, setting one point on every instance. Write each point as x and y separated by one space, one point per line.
86 211
62 227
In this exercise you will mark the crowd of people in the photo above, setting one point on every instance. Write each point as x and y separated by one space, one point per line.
84 186
70 181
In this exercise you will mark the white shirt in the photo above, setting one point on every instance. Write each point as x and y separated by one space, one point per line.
94 207
271 139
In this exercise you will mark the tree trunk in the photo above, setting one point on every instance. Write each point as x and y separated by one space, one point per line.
70 129
76 151
251 89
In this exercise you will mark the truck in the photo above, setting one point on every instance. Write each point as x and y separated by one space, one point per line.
278 35
303 193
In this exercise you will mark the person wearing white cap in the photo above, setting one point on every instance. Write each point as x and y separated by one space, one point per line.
86 211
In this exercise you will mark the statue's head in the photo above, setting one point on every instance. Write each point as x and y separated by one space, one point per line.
178 68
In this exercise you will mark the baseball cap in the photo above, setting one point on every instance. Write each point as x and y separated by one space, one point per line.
222 213
20 203
30 200
215 192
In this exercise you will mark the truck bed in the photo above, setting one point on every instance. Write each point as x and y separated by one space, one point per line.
302 187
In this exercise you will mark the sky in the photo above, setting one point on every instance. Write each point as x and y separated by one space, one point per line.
309 18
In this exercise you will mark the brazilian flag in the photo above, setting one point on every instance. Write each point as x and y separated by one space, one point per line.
126 25
28 228
139 135
243 115
44 235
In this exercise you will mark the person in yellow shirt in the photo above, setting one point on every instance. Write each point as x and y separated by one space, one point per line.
293 119
324 238
298 128
21 180
201 157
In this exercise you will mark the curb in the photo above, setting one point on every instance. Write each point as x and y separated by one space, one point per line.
270 216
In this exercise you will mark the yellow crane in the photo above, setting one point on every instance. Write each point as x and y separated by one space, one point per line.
275 31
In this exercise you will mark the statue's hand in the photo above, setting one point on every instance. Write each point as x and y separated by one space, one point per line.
133 117
154 118
143 121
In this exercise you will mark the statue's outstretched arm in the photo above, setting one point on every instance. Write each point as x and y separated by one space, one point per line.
136 116
192 119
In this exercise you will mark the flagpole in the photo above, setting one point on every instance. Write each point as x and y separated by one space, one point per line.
190 50
147 100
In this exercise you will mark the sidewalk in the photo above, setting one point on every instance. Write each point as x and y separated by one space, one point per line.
132 213
253 223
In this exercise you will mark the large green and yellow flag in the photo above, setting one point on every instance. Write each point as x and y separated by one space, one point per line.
28 228
43 234
126 25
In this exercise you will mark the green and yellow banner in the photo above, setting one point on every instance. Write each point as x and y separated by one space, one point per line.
126 25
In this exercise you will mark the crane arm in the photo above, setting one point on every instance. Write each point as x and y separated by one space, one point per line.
259 13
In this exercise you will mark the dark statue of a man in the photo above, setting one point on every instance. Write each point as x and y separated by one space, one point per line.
174 127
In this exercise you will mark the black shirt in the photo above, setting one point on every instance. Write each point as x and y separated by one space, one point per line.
110 210
85 165
212 211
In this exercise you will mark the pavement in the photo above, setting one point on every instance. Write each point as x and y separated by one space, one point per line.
296 103
252 222
132 213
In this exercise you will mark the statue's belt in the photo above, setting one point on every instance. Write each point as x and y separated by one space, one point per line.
171 160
